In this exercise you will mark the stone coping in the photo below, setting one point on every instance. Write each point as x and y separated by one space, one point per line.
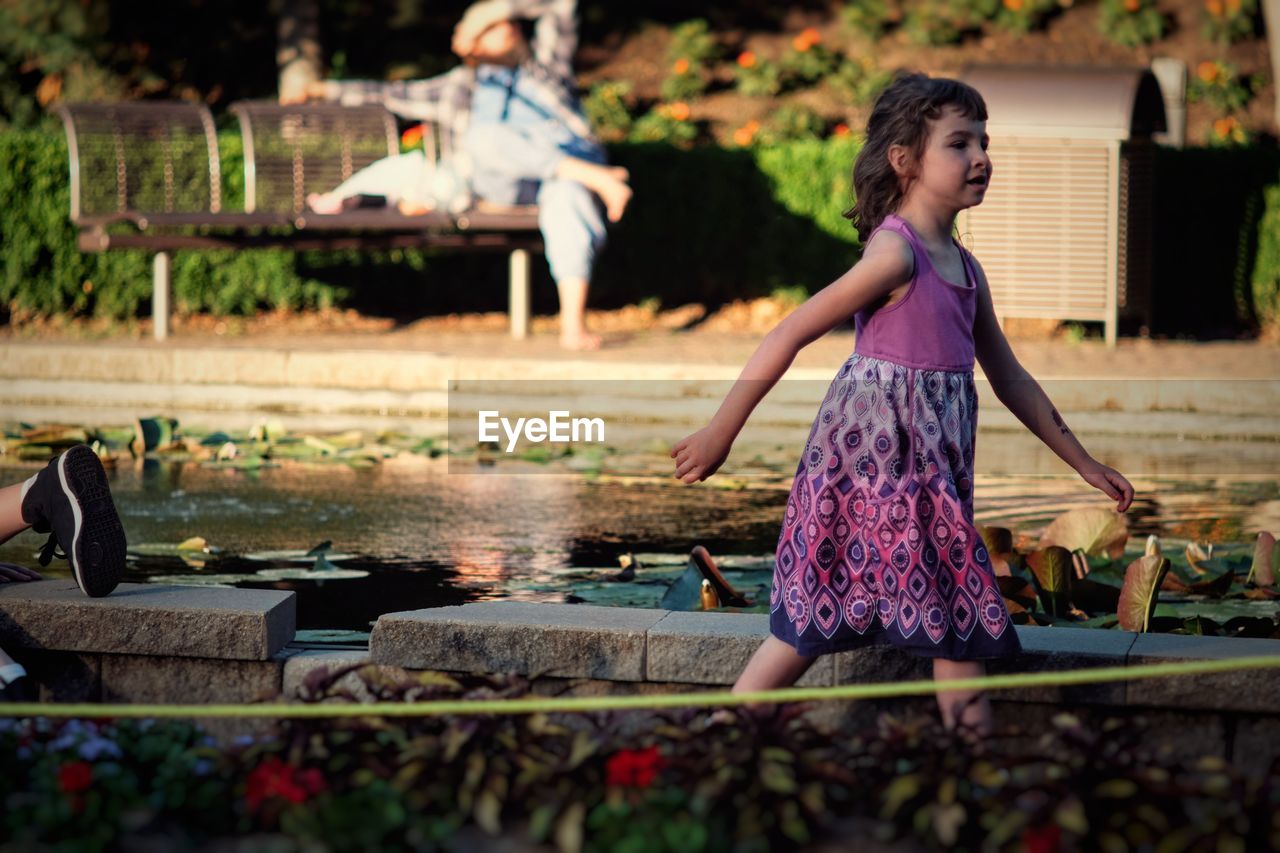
148 619
693 647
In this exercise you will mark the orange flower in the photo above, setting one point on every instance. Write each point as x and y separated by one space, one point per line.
1233 6
1013 5
411 136
1207 71
841 129
1214 7
680 111
746 59
681 66
808 38
1132 5
744 135
1224 127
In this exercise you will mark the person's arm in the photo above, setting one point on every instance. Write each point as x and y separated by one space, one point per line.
886 264
555 30
1023 396
419 99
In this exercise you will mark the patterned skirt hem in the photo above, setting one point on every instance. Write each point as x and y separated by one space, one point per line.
1005 646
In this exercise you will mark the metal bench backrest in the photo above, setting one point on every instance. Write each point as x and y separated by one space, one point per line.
141 157
291 151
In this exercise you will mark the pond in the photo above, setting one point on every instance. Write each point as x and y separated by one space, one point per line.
423 528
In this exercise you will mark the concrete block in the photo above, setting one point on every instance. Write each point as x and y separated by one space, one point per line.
1255 747
568 640
1248 690
302 665
1047 650
148 619
713 648
180 680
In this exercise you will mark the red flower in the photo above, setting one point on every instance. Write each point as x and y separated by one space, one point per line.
75 777
1042 839
275 779
631 768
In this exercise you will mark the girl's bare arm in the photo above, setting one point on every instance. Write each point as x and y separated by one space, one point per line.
1023 396
886 263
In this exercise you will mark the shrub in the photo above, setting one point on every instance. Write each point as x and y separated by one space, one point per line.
1130 22
807 61
1022 16
687 80
1229 20
1266 272
859 80
756 76
666 123
693 41
871 18
606 108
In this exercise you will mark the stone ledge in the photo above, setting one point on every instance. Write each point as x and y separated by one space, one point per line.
148 619
566 640
1057 649
1241 690
712 648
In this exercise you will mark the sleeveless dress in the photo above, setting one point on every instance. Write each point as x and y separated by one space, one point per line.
878 545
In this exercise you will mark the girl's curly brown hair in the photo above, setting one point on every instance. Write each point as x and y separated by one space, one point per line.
901 116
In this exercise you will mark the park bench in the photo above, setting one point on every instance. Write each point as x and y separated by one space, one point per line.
148 175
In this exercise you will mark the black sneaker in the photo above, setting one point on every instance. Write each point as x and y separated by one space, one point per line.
71 501
19 690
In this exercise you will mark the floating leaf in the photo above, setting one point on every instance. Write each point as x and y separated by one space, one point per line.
1094 530
1051 569
1095 597
1140 591
294 555
999 542
1198 553
1262 572
333 573
268 430
1215 588
1153 546
195 543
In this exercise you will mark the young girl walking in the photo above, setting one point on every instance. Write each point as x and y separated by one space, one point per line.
878 543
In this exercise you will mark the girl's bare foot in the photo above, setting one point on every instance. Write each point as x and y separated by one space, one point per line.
581 341
325 204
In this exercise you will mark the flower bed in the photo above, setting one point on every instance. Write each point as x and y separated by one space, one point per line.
761 780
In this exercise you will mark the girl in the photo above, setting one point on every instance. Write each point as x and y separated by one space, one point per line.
878 542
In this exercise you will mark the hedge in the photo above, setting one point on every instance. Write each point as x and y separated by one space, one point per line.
706 225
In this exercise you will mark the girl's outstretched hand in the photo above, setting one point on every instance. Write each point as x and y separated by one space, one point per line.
700 455
1110 481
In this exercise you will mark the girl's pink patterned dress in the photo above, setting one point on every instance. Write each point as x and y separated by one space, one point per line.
878 544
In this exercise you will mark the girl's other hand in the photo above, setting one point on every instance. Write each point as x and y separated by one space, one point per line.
700 455
1109 481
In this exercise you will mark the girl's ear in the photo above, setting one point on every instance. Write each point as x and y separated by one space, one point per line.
900 160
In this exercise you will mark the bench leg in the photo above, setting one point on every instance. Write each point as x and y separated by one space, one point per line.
161 288
518 302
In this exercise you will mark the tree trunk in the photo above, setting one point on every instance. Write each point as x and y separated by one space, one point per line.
298 46
1271 14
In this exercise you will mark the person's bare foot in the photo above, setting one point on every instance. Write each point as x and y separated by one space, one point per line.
326 204
582 341
615 192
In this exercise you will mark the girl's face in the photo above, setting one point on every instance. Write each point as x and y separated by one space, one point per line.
955 170
499 44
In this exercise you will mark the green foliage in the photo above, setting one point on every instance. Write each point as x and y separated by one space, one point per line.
1130 22
940 22
792 122
686 81
1227 21
666 123
859 80
756 77
606 108
870 18
1222 86
807 61
693 41
1266 272
1022 16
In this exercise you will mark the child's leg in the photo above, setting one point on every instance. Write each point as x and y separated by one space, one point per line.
11 521
775 664
955 705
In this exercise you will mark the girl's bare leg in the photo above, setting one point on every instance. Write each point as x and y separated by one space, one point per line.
774 665
608 182
11 523
975 716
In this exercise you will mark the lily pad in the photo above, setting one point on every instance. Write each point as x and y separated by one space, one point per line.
1093 530
296 555
311 574
1051 570
222 580
1138 596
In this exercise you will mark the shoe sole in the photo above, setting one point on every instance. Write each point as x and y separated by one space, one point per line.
97 548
